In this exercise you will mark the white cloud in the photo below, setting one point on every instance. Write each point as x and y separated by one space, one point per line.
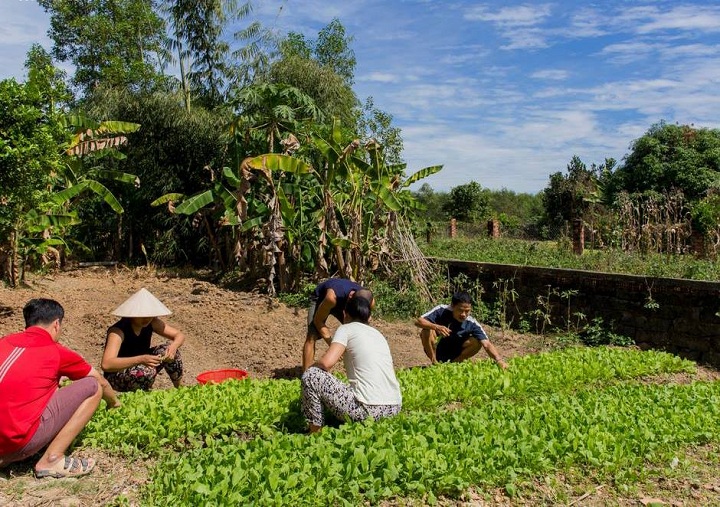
587 23
518 24
511 17
381 77
686 18
552 74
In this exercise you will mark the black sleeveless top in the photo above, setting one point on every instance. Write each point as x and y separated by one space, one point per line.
132 344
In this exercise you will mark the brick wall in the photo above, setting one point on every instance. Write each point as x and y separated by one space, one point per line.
666 313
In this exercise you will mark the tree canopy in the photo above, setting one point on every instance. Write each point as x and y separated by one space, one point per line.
672 156
467 203
110 42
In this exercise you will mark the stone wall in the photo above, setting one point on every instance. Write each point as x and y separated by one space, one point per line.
665 313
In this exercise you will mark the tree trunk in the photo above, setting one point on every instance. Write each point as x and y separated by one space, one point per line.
14 270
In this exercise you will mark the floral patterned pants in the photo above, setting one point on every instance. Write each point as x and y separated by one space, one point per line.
322 389
142 376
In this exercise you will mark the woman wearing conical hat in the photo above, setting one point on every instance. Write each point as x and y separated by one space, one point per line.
129 361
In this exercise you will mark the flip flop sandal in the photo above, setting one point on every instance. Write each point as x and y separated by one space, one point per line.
71 467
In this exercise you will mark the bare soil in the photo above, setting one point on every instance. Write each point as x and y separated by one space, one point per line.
226 328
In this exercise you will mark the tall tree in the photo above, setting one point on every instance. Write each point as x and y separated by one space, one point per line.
198 27
207 65
29 155
377 124
114 42
333 50
467 203
46 80
329 92
568 196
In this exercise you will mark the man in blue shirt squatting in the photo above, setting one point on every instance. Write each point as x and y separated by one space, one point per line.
329 298
449 333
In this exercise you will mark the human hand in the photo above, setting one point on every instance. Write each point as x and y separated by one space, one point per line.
151 360
502 364
169 355
442 330
116 404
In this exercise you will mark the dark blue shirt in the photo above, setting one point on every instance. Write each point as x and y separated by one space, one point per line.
342 288
442 315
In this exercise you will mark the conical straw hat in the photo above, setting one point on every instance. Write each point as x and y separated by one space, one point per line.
141 304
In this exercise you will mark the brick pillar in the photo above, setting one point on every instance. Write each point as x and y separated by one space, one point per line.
493 228
698 244
452 231
578 236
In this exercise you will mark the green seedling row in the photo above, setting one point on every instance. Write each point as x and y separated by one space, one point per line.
189 417
612 431
475 383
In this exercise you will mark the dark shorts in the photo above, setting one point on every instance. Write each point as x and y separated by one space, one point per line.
449 348
56 415
312 330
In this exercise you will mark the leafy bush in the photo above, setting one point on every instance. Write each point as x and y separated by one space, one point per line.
596 334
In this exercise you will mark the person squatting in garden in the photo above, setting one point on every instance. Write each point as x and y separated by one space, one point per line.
328 298
129 361
449 333
373 389
35 413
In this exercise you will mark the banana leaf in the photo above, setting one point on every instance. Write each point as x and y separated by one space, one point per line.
163 199
195 203
422 173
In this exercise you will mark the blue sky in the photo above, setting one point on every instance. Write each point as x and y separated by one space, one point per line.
499 92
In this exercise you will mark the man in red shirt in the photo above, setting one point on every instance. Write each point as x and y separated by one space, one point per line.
34 411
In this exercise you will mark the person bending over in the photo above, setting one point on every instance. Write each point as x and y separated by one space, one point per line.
34 412
373 390
449 333
329 298
129 361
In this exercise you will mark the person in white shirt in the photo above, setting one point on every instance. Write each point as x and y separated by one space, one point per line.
373 389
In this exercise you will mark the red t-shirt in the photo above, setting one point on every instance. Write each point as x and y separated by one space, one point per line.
31 365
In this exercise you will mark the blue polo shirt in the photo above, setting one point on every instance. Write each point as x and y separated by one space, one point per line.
442 315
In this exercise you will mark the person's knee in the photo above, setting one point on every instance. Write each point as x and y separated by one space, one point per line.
427 334
90 387
310 377
473 346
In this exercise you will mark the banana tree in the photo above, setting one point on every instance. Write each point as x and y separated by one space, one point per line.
39 231
362 196
258 217
91 142
43 237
